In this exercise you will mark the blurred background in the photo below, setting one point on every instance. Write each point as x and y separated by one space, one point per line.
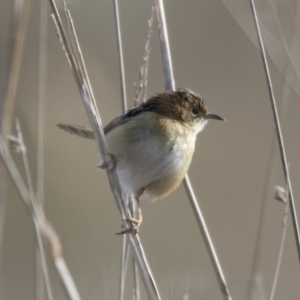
235 167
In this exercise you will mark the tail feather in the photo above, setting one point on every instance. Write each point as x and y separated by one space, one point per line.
77 130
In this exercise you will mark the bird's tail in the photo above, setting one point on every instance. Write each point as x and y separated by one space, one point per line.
78 130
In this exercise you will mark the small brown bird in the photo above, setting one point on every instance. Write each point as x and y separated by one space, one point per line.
153 144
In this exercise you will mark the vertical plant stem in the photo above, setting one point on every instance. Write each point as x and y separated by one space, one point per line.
206 236
254 275
40 247
120 52
164 45
42 94
146 55
124 259
20 12
40 131
170 85
280 255
141 88
124 262
65 276
74 56
124 256
139 91
254 282
41 224
278 129
136 285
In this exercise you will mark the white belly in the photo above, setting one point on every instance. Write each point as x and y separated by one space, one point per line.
146 158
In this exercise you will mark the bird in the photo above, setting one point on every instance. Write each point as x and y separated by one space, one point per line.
153 144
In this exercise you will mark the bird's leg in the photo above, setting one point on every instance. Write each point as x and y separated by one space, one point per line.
110 164
134 222
138 221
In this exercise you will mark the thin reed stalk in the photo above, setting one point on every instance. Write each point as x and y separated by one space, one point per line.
254 281
121 59
141 88
42 71
170 85
278 128
280 195
21 12
44 231
124 254
40 247
136 284
73 52
124 264
139 91
18 27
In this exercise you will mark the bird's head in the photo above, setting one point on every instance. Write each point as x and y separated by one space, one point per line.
184 106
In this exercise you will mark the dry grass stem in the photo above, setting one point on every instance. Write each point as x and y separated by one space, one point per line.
121 59
44 231
10 79
42 72
124 257
278 129
21 12
164 45
206 236
271 167
281 196
124 263
170 85
136 285
136 289
64 273
141 89
74 56
253 285
41 99
40 247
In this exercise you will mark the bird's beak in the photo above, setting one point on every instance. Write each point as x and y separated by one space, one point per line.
214 117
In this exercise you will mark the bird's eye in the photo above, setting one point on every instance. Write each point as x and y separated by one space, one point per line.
195 111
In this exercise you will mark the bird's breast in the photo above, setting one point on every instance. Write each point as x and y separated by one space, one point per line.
152 158
173 167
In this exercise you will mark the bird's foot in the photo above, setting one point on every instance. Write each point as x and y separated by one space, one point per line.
134 226
110 164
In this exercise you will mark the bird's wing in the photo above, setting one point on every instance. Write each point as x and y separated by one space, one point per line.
113 123
88 132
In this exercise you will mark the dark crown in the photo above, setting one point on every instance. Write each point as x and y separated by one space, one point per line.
170 104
